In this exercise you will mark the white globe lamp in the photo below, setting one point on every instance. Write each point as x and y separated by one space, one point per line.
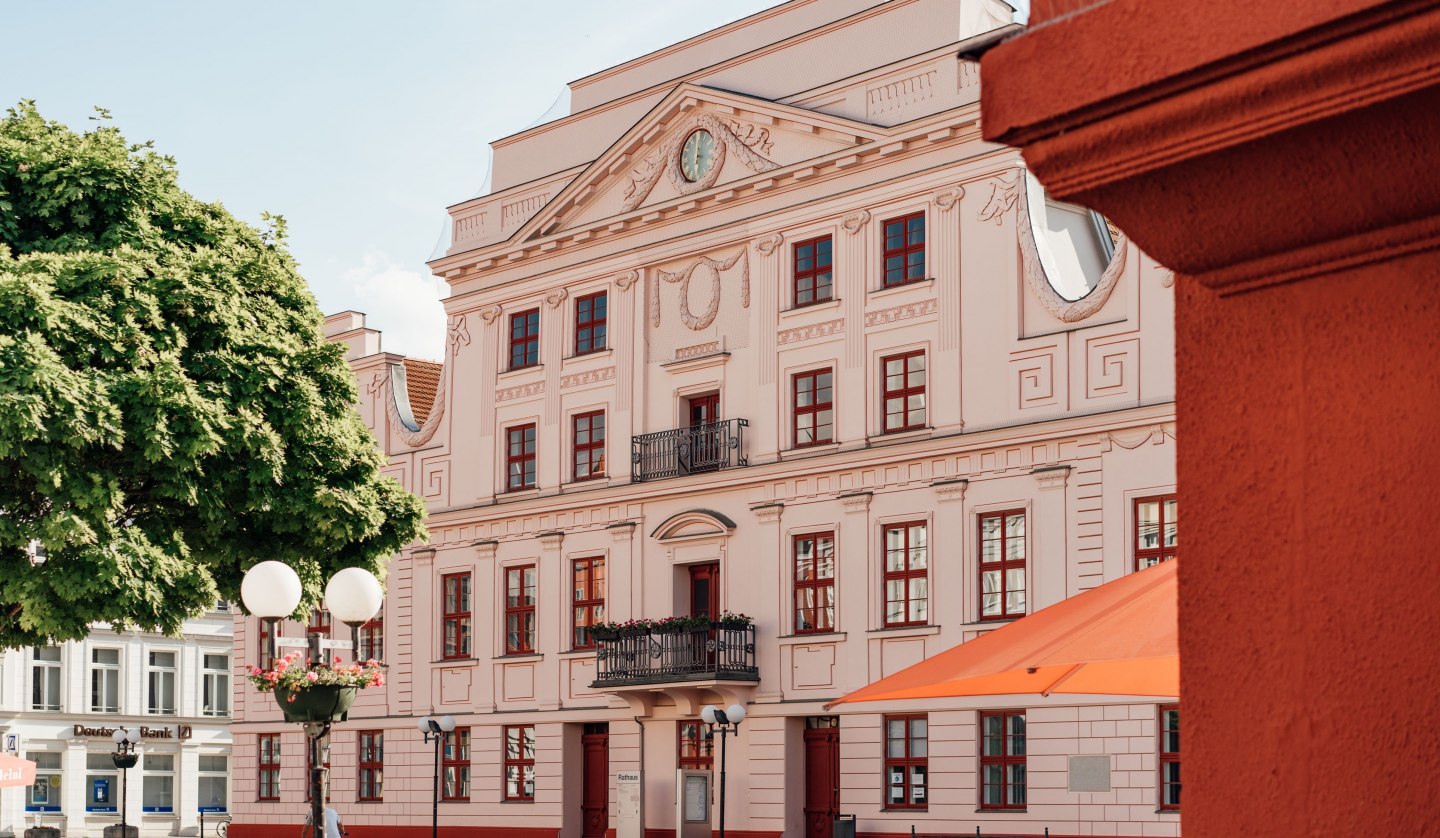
271 590
353 596
735 713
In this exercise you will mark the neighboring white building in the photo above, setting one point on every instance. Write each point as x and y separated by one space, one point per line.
59 704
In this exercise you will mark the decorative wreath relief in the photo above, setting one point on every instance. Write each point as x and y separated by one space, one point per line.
714 267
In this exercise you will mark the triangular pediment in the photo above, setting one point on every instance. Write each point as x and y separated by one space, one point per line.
747 137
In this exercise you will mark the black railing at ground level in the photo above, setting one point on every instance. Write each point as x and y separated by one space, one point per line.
711 446
715 652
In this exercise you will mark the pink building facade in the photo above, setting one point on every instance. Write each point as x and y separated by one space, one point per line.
764 328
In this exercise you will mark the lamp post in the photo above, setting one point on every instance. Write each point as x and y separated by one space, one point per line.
124 757
435 730
271 590
727 721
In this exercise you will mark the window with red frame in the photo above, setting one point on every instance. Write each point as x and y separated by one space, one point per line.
695 745
589 444
372 765
814 408
520 458
1002 759
814 274
519 764
588 586
590 323
814 582
1170 756
520 610
267 660
907 762
904 249
372 638
1002 565
456 615
907 581
269 767
455 764
319 622
1155 536
525 339
903 391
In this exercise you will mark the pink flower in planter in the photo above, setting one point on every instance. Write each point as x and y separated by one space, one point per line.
254 670
338 660
281 666
312 677
272 677
291 699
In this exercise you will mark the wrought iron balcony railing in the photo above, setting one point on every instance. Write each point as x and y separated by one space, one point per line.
717 653
712 446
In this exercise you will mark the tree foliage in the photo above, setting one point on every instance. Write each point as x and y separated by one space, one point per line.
170 413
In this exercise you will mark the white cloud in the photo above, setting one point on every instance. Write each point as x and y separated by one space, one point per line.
403 304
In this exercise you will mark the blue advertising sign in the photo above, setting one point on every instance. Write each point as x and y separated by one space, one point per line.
100 800
211 810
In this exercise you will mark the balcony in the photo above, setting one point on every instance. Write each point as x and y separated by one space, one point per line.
688 667
712 446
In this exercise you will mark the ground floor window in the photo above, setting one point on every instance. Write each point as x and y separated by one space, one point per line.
455 756
44 796
269 767
214 783
372 765
907 762
102 783
1002 759
519 762
695 745
159 783
1170 757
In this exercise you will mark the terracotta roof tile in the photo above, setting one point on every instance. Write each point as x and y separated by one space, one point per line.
421 380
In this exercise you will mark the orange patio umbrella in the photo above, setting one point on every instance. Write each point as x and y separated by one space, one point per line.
1118 639
15 771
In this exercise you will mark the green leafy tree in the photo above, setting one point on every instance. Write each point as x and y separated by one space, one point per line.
170 413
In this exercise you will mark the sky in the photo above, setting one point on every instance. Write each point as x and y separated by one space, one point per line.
358 121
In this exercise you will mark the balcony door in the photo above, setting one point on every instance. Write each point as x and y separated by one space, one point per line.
707 439
705 590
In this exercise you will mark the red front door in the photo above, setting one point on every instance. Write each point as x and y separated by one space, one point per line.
595 795
822 781
705 590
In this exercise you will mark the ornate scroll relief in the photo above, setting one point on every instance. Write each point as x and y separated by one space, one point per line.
766 245
946 199
1068 311
855 221
556 297
489 313
625 280
1003 196
665 161
714 267
459 333
397 407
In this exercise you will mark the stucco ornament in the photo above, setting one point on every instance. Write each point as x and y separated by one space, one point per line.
946 199
766 245
625 280
1003 197
855 221
555 297
714 267
1068 311
459 333
665 161
397 405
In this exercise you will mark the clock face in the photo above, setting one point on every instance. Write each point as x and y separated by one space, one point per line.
697 156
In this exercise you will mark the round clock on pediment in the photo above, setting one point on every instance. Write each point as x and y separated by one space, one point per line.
697 156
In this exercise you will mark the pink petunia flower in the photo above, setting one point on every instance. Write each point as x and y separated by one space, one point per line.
312 677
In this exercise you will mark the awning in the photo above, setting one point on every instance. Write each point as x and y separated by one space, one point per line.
1118 639
15 772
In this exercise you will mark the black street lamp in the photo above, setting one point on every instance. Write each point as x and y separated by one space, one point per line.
435 730
124 757
727 721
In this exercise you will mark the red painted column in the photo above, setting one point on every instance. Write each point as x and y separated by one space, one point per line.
1285 158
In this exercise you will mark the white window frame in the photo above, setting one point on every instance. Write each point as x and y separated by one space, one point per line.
224 776
154 672
113 675
148 774
216 683
58 667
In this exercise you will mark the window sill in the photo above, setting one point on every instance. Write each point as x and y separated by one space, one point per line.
810 308
815 637
993 811
574 654
520 373
520 657
518 494
587 483
899 436
903 809
912 285
597 355
521 802
809 451
455 662
907 631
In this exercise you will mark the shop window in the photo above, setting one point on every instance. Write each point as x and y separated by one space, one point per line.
695 745
907 762
44 795
1002 565
213 783
1002 759
519 762
102 783
158 787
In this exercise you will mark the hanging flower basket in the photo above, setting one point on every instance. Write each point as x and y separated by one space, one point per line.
125 760
316 692
317 704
